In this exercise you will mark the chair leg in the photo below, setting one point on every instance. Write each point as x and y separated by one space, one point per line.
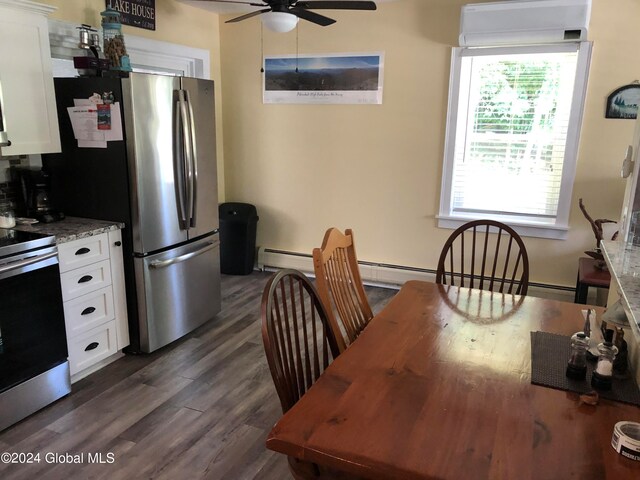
582 291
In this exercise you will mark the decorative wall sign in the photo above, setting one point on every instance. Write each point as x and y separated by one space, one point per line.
624 101
323 79
137 13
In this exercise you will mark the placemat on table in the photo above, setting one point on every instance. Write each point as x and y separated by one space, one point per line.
549 355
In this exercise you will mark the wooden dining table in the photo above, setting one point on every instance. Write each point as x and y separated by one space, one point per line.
438 386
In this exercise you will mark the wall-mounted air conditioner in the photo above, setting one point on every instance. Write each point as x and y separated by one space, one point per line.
524 22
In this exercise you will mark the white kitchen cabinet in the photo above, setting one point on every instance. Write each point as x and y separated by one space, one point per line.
93 291
27 98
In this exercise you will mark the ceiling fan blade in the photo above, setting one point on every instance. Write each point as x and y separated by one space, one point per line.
248 15
235 1
338 5
311 16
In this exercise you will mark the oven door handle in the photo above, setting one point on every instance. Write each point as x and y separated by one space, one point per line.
27 262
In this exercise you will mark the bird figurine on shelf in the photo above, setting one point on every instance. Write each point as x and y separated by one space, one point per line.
596 226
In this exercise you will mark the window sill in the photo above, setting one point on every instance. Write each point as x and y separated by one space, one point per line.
524 229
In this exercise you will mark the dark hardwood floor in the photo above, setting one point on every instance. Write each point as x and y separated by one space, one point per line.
199 408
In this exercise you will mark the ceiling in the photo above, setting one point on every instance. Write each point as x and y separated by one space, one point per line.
224 8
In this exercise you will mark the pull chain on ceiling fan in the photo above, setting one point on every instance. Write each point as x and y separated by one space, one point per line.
283 15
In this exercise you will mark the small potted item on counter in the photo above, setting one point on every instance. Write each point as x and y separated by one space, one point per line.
7 218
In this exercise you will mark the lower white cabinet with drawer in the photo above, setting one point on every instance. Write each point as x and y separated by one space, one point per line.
95 308
85 279
89 348
89 311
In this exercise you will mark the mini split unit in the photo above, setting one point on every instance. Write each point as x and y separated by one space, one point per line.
524 22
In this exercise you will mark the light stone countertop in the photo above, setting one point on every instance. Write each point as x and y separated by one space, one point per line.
623 260
72 228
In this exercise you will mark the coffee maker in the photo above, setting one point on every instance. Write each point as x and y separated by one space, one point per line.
34 184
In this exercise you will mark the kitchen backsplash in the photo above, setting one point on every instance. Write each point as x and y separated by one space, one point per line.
7 191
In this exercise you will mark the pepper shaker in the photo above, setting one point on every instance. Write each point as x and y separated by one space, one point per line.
577 365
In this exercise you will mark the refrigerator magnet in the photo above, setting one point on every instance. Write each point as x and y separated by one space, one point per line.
104 117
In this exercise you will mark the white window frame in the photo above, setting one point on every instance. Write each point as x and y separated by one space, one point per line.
525 226
144 53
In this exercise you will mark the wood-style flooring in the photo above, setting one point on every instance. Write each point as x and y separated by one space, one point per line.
199 408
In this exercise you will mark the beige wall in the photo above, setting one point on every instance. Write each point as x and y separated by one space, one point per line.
176 23
377 169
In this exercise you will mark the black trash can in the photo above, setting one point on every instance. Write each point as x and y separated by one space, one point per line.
237 237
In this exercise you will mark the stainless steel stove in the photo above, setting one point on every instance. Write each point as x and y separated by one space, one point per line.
34 370
13 242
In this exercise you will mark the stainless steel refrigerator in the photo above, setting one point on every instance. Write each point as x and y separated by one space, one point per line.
161 182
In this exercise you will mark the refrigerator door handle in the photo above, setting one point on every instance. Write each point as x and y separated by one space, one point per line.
182 258
188 157
179 163
194 162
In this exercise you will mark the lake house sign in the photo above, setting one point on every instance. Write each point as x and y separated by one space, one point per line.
137 13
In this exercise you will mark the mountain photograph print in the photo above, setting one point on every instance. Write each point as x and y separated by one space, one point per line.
328 79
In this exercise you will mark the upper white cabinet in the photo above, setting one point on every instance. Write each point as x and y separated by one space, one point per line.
27 99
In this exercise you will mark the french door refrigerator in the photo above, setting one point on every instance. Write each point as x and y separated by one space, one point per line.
161 182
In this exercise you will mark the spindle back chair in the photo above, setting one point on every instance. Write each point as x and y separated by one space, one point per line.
340 286
487 255
298 341
299 345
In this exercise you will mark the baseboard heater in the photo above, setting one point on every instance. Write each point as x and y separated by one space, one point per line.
387 275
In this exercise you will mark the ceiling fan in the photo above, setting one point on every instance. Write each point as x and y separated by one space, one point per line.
287 12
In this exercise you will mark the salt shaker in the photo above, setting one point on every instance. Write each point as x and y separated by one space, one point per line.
577 365
601 378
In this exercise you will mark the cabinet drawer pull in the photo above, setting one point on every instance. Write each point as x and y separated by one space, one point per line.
85 279
118 243
88 310
91 346
83 251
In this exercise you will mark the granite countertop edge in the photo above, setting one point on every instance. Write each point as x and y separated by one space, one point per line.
72 228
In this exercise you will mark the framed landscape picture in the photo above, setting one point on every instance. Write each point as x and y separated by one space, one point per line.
623 102
323 79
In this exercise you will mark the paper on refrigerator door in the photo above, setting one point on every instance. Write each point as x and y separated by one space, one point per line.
92 144
84 120
115 133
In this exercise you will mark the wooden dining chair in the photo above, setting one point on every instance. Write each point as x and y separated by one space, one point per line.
340 286
298 341
299 345
487 255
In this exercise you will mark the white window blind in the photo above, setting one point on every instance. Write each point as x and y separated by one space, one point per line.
512 134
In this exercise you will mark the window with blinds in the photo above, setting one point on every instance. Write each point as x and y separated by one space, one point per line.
512 133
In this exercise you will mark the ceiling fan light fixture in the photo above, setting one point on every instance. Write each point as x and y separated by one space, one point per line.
280 22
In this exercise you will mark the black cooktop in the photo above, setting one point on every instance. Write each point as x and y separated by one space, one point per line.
13 242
